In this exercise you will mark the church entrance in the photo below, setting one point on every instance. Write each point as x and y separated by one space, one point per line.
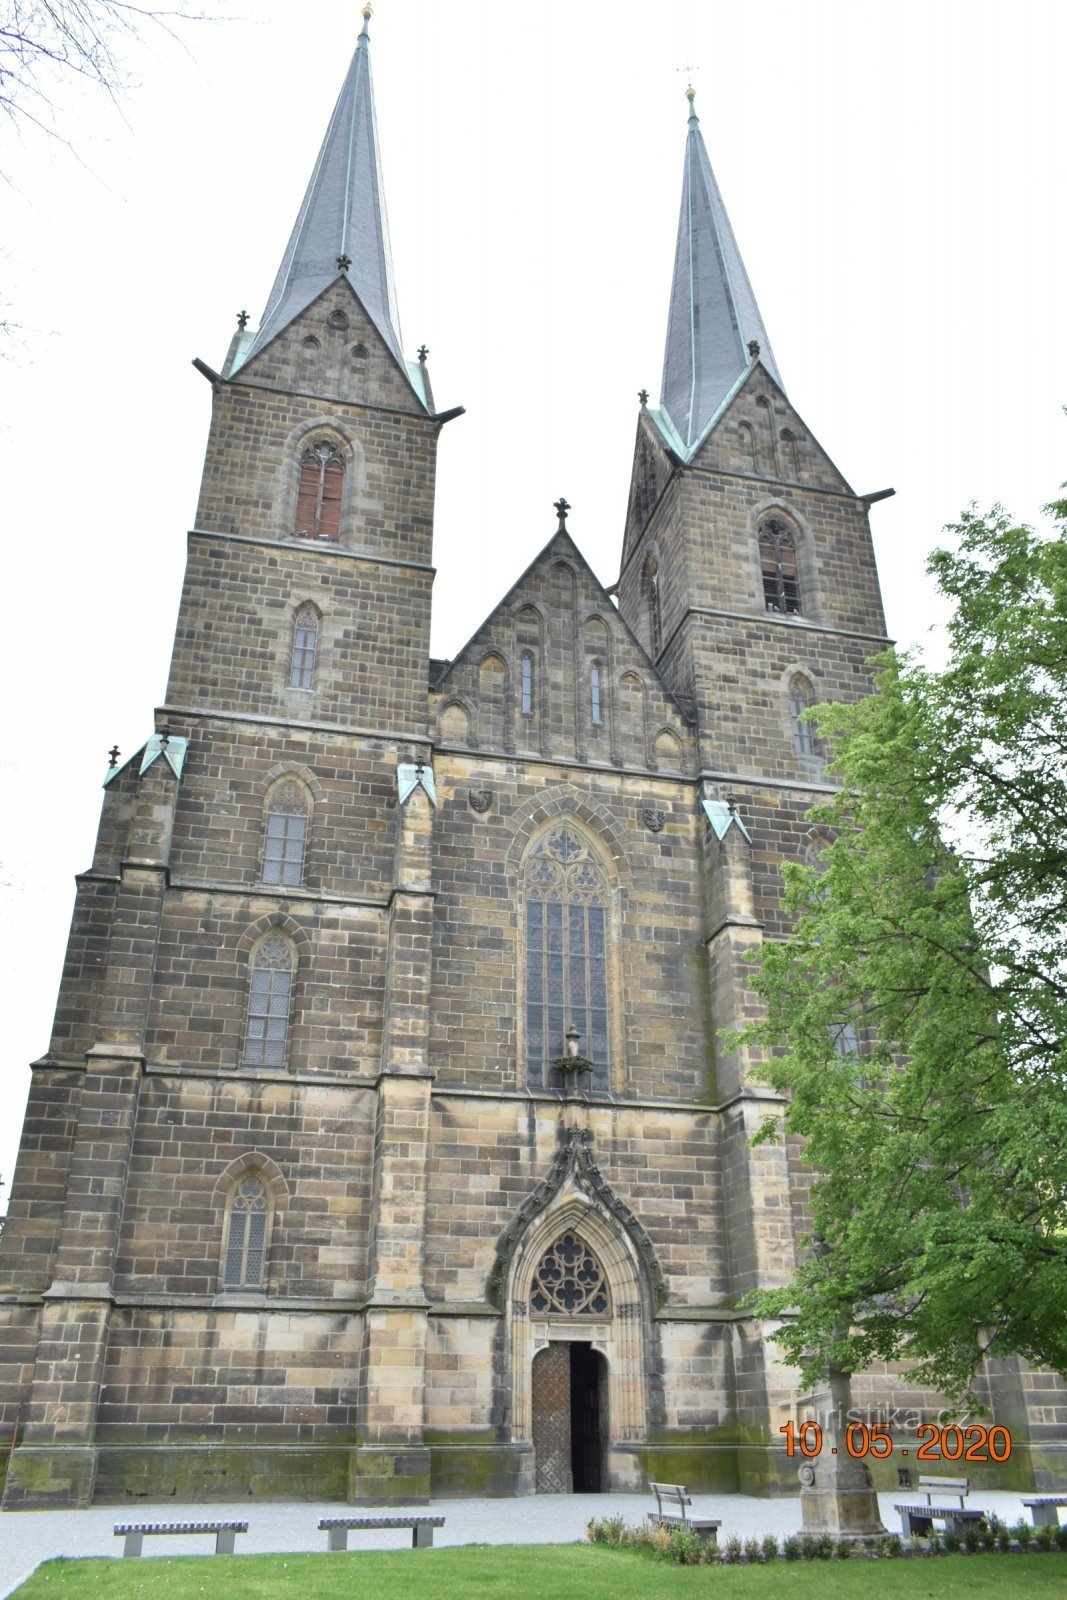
569 1396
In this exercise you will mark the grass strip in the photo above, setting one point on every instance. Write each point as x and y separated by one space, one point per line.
533 1572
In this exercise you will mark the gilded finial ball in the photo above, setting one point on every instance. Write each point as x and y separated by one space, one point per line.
690 94
367 12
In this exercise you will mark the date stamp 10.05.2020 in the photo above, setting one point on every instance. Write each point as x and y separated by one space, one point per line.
973 1443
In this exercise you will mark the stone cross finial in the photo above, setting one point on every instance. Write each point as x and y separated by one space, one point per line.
423 352
242 320
343 262
561 508
753 348
642 395
113 756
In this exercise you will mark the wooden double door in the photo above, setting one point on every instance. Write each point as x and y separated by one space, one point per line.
570 1413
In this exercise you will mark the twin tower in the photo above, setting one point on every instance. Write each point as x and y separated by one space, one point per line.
386 1145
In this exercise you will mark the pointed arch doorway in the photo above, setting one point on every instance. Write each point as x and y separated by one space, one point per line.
569 1403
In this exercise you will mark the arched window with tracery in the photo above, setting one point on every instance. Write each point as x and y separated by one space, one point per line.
526 684
655 629
596 704
569 1281
565 891
285 833
245 1257
305 648
778 563
801 697
269 996
319 493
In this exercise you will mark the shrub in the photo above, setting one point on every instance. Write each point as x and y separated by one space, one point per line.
1045 1537
1061 1536
950 1540
791 1548
824 1546
843 1550
1002 1537
1024 1534
686 1547
769 1546
891 1546
731 1551
752 1551
917 1546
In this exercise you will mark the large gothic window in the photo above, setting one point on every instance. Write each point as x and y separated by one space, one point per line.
246 1235
318 499
269 993
655 627
285 836
569 1281
778 563
566 898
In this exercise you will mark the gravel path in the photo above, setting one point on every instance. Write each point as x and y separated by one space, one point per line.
27 1537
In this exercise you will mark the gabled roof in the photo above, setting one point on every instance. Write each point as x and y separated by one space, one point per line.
342 219
714 316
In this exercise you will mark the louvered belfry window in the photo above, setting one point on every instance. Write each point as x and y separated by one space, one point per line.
778 563
569 1281
318 501
566 895
246 1237
269 994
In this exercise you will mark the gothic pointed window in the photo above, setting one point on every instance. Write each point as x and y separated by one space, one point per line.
801 696
526 684
269 995
305 647
778 563
566 914
285 834
595 706
246 1235
655 632
319 493
569 1281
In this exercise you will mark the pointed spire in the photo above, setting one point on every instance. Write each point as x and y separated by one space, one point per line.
714 316
341 226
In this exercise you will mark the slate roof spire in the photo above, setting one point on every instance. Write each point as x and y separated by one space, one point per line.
714 316
341 225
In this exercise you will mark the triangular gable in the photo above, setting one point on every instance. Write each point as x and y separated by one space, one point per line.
278 360
759 432
564 637
653 465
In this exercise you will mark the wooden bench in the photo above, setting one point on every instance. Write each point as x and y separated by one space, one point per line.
920 1519
134 1533
1043 1509
336 1529
671 1501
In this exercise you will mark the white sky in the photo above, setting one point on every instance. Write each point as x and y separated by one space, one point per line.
895 174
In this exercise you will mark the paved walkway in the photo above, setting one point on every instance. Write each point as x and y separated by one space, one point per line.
27 1537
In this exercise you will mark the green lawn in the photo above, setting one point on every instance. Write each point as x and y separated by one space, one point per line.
533 1572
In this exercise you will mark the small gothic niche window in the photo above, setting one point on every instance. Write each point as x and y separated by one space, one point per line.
305 645
269 994
778 562
566 893
594 693
801 696
246 1235
319 493
655 632
569 1281
286 834
526 684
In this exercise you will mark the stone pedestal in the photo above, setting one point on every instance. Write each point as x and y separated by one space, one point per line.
836 1493
389 1475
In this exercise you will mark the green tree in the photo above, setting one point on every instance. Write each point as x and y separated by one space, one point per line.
916 1017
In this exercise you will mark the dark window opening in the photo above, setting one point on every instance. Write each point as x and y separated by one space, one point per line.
778 563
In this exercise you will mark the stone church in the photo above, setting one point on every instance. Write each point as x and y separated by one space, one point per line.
386 1145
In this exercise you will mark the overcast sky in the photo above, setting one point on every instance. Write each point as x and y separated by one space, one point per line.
895 174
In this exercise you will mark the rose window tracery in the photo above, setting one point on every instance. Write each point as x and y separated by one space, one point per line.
569 1281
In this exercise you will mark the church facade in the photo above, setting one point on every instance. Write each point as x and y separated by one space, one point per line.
387 1145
